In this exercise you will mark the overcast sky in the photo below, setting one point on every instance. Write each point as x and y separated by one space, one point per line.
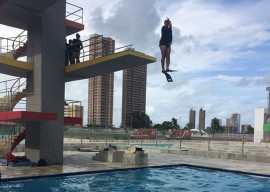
220 49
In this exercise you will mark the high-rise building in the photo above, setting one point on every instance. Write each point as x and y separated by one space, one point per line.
233 124
201 119
100 88
134 92
74 111
192 115
245 128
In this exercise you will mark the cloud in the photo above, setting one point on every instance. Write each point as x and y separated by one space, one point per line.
244 81
132 22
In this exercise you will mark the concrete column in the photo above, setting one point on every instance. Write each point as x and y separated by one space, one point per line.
258 124
44 140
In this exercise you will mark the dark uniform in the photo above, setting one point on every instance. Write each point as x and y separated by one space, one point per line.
166 36
77 43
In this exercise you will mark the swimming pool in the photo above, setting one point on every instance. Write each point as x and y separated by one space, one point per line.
176 178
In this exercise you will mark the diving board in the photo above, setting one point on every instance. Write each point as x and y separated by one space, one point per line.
9 66
73 27
107 64
27 116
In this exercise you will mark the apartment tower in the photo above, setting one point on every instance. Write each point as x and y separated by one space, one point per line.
134 92
74 111
201 119
233 123
100 88
192 115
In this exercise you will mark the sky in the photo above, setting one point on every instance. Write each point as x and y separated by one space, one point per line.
220 49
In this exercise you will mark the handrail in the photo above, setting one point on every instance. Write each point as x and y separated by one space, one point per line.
85 51
9 88
74 12
20 41
9 46
17 88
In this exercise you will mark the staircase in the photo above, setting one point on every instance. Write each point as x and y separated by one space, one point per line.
11 93
8 143
14 47
7 103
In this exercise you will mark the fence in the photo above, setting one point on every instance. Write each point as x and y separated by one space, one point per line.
147 135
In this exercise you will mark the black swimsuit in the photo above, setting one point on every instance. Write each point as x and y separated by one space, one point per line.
166 36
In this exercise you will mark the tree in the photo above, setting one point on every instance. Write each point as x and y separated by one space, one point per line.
175 123
139 120
167 125
189 126
215 126
158 126
250 130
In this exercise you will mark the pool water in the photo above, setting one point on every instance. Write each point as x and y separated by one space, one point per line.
169 179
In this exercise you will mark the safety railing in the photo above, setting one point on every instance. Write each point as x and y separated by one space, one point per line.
90 49
13 93
74 13
15 130
20 40
16 47
8 87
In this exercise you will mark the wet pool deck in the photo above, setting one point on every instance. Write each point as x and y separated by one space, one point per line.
75 161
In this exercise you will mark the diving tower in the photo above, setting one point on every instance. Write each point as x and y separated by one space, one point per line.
47 24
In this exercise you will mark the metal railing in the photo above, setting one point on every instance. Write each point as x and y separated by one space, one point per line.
86 52
16 47
20 40
74 13
8 87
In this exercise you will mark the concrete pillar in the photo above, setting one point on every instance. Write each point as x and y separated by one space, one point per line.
258 124
46 36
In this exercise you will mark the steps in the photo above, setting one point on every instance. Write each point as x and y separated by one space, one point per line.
17 139
8 144
20 52
7 103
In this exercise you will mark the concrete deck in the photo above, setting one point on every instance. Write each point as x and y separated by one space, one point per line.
75 161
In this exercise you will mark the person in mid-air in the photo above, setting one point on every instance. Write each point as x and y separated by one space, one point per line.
165 45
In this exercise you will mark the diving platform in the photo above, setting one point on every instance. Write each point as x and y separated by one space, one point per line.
84 70
107 64
10 66
27 116
30 116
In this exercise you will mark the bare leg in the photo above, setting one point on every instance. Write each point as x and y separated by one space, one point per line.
168 58
163 50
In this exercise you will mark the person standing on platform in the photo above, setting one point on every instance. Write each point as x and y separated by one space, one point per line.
71 52
77 43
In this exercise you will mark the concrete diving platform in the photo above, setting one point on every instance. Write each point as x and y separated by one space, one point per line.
26 116
16 68
107 64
